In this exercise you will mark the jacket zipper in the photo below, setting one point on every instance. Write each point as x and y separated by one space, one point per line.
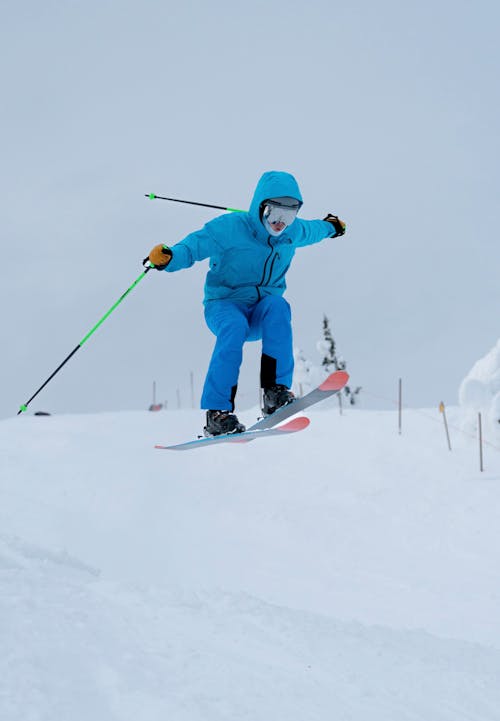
269 276
276 255
267 261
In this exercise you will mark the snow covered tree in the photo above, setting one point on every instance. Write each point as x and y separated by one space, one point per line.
327 347
306 375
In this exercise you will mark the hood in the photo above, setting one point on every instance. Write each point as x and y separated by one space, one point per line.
273 184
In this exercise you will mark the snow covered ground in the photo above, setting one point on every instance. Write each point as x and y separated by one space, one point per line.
347 572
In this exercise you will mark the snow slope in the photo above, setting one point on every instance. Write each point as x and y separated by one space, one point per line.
343 573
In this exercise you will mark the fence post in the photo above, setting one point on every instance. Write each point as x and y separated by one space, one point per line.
400 405
442 410
480 425
154 405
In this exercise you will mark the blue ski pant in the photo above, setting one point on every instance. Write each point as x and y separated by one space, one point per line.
233 324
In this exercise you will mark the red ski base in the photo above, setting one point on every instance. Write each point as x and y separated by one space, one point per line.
335 382
293 426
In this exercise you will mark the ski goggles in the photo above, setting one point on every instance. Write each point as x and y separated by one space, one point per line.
281 210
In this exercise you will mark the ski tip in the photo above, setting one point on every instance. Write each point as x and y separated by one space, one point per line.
335 382
296 424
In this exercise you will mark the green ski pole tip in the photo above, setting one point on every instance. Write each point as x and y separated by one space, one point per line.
152 196
23 408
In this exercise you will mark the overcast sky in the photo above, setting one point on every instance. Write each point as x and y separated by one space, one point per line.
388 115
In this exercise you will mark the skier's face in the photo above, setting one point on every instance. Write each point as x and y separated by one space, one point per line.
277 225
279 213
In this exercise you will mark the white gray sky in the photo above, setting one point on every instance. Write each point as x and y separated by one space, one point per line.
388 115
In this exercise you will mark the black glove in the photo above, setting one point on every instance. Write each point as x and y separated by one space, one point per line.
159 257
338 224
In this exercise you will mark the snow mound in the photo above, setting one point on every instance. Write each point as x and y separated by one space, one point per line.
348 572
79 648
480 392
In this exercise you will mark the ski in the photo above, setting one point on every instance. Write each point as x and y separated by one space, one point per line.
266 426
332 385
293 426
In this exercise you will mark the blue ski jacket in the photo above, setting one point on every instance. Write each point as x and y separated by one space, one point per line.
246 262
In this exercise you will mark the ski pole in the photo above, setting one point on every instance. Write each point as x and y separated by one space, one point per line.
85 339
152 196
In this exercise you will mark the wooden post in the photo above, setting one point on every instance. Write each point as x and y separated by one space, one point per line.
442 410
154 405
480 425
400 405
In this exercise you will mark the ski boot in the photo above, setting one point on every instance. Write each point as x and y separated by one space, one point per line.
219 422
275 397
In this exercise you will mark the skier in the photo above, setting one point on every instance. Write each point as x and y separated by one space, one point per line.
250 253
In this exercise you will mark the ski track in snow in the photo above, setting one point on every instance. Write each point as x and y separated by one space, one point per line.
347 573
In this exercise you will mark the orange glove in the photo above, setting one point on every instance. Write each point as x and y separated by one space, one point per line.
159 257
